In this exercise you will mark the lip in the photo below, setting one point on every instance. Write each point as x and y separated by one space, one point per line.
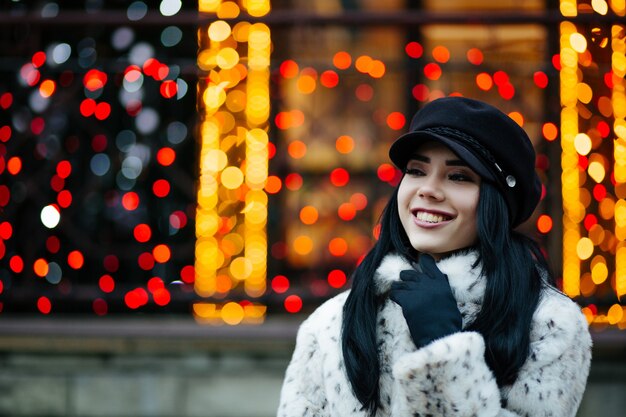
428 225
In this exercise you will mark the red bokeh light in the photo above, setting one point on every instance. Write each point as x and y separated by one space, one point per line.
100 307
44 305
293 304
161 188
603 128
94 80
556 61
64 199
178 219
432 71
111 263
289 69
386 172
475 56
166 156
346 211
5 195
6 100
339 177
414 50
188 274
53 244
136 298
87 107
64 169
293 181
142 233
106 283
155 283
16 264
590 220
168 89
30 74
75 259
99 143
421 92
280 284
329 79
146 261
5 133
39 58
130 201
37 125
6 230
541 79
599 192
337 278
396 120
103 110
161 297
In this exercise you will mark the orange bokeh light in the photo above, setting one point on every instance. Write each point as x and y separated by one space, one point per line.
550 131
14 165
363 64
166 156
289 69
344 144
346 211
544 223
475 56
338 246
130 201
161 253
40 266
396 120
47 88
342 60
297 149
75 259
484 81
309 215
441 54
273 184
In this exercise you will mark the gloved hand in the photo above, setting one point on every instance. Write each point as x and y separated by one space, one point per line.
427 303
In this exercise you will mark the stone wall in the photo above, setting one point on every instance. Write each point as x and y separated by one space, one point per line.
175 368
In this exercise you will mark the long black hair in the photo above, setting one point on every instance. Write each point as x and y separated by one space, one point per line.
509 262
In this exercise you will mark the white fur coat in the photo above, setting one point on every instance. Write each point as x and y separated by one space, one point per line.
448 377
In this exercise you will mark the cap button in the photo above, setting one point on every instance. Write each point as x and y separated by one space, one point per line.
510 181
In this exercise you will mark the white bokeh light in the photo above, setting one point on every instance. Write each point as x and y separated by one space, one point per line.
170 7
50 216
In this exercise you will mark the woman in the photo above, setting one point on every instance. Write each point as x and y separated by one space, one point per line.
452 312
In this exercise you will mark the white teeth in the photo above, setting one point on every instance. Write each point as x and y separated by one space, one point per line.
429 217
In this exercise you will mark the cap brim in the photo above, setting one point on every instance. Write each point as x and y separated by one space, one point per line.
404 148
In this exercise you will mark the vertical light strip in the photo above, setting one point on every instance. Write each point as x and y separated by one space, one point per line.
573 210
231 214
618 67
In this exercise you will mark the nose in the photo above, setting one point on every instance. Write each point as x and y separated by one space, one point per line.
431 189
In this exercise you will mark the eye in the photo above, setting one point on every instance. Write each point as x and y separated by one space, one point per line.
460 177
413 172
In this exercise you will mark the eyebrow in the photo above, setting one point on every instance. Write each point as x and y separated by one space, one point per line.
449 162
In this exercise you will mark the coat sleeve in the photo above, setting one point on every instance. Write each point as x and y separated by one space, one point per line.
450 377
302 392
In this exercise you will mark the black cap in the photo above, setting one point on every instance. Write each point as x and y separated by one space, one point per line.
489 141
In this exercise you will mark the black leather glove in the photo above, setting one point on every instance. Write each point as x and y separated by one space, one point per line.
427 303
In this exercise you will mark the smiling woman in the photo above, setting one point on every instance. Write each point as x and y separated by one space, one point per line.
452 311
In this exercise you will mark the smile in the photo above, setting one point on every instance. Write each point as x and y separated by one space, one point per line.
428 217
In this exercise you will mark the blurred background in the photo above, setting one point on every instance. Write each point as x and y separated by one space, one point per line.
182 183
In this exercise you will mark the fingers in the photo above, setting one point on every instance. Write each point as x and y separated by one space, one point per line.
409 275
429 266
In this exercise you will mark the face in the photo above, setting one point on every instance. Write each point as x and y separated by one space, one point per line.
437 201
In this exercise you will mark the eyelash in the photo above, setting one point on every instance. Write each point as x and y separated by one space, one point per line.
455 176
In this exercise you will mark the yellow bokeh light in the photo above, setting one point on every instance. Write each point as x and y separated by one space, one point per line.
584 248
596 171
600 6
240 268
232 313
219 31
303 245
227 58
232 177
582 143
578 42
615 314
599 273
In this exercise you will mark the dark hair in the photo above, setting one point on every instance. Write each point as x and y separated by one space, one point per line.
513 283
